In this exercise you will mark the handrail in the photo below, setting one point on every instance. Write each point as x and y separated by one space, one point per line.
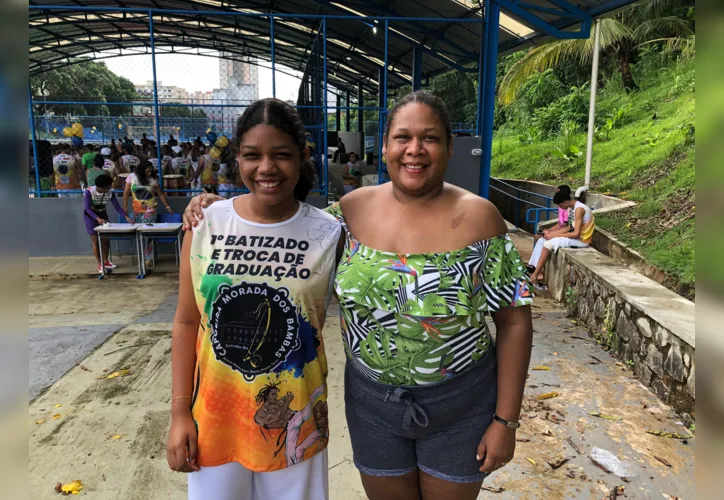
522 190
537 216
538 208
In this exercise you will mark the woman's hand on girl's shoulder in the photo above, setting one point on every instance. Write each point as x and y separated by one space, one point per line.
194 210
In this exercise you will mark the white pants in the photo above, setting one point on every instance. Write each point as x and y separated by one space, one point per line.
553 244
307 480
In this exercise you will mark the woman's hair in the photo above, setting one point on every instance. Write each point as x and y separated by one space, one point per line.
104 181
211 189
195 152
564 189
561 196
282 116
140 172
98 161
436 104
128 148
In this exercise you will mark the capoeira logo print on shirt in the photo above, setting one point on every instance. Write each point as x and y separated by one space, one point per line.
254 327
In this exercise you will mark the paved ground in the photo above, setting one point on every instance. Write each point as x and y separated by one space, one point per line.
93 328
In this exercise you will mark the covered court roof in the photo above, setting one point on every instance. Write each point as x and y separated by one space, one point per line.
355 49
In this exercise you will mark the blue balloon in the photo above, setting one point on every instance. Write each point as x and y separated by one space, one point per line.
211 137
77 141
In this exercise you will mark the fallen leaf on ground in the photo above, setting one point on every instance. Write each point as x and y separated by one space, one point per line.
69 489
547 395
85 369
557 461
493 489
523 440
40 421
597 360
604 415
663 461
571 473
574 446
56 416
531 461
119 373
541 367
117 436
670 435
547 432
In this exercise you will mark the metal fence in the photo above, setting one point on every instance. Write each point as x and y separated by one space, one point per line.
169 104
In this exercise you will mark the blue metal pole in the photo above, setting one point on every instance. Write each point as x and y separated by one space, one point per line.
155 101
481 68
325 188
416 67
273 60
491 61
35 144
383 107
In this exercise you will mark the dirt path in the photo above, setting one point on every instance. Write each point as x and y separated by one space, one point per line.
111 432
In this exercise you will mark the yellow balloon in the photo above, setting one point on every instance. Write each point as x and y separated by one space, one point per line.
208 130
77 128
215 153
120 126
67 131
222 142
55 130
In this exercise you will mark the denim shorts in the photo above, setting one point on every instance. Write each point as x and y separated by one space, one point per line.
436 428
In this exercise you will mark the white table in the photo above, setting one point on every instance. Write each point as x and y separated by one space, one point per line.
109 229
157 230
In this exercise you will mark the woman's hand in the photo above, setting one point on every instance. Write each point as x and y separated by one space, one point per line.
169 209
100 221
193 213
129 220
496 448
182 447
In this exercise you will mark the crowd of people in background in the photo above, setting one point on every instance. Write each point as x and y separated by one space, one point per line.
186 165
94 172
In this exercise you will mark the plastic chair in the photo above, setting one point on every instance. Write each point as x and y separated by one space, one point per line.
169 239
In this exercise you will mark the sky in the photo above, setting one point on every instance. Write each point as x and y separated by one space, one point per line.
196 73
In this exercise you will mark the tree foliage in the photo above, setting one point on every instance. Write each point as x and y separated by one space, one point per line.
84 81
621 38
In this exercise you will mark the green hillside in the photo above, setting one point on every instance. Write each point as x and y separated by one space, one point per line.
644 151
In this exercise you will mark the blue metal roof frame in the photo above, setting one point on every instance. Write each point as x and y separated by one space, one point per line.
62 33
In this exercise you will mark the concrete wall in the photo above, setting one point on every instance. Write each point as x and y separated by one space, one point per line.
647 326
57 229
353 141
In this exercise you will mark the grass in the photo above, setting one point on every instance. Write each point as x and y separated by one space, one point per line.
648 159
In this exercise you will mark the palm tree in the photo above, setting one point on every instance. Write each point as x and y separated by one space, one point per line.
621 36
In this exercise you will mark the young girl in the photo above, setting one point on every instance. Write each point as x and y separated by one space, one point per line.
96 199
249 403
143 186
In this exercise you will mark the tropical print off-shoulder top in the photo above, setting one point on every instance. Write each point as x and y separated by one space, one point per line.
420 318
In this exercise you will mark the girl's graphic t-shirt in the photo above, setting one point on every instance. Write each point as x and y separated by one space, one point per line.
260 395
143 198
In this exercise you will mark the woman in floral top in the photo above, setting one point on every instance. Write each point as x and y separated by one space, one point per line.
430 411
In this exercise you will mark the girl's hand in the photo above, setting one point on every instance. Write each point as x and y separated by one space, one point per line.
129 220
496 448
100 221
169 209
193 213
182 447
